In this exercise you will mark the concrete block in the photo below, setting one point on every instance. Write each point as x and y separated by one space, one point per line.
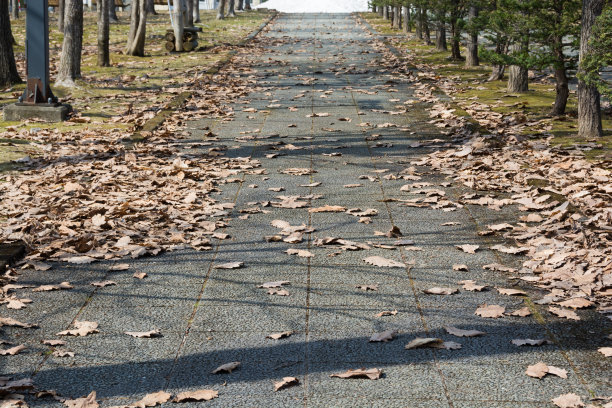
49 113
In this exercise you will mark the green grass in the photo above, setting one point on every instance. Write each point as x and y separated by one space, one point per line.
535 104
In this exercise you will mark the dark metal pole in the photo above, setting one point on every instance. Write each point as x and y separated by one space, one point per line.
37 90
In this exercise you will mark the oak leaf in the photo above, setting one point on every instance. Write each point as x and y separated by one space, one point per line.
529 342
281 335
490 311
300 252
567 314
151 400
227 367
463 333
424 342
386 313
468 248
285 382
441 291
13 350
371 373
327 208
383 336
230 265
83 328
568 401
85 402
102 284
48 288
275 284
383 262
200 395
147 334
511 292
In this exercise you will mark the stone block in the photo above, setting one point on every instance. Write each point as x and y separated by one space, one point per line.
48 113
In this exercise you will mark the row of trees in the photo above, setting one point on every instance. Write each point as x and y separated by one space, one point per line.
566 36
70 22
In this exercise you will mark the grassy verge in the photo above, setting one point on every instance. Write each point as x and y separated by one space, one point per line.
472 85
132 88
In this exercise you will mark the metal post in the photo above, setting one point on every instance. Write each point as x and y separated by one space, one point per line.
37 90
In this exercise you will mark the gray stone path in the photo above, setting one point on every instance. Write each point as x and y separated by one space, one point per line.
213 316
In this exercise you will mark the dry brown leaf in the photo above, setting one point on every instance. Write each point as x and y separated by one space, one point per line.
522 312
383 262
529 342
278 292
538 370
383 336
510 250
559 372
471 285
140 275
300 252
564 313
13 350
152 400
53 343
460 267
85 402
366 288
285 382
275 284
468 248
227 367
16 303
83 328
298 171
386 313
511 292
490 311
103 283
200 395
606 351
230 265
63 353
47 288
80 259
576 303
424 342
327 208
371 373
568 401
9 321
463 333
441 291
281 335
145 335
120 267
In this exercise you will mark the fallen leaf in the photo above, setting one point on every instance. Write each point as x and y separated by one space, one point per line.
54 343
80 260
327 208
564 313
83 328
200 395
120 267
576 303
147 334
281 335
383 262
441 291
227 367
460 267
230 265
300 252
490 311
383 336
285 382
386 313
509 250
606 351
559 372
16 304
13 350
511 292
85 402
151 400
140 275
63 353
568 401
538 370
522 312
366 288
468 248
276 284
423 342
371 373
463 333
449 345
278 292
529 342
9 321
47 288
471 285
103 283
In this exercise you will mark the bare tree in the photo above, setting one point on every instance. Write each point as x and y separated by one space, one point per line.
103 33
196 11
230 11
151 7
112 13
72 47
189 14
8 68
61 12
138 29
589 104
406 10
221 10
472 59
178 11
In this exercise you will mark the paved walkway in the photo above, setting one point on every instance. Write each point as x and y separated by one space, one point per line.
208 316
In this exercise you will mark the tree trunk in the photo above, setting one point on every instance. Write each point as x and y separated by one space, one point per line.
151 7
8 68
189 13
179 24
407 18
518 80
103 33
455 51
72 47
589 108
15 9
112 13
426 31
196 11
397 18
221 10
240 5
138 29
61 13
441 37
472 59
501 47
385 12
230 11
380 11
373 8
247 4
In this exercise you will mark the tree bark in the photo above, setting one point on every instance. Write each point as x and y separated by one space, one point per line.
518 80
247 4
8 67
103 33
112 13
151 7
380 10
501 47
426 31
385 12
196 11
240 5
397 18
72 47
589 104
230 11
15 9
61 13
441 37
419 24
138 29
472 59
179 23
189 13
407 18
221 10
455 51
